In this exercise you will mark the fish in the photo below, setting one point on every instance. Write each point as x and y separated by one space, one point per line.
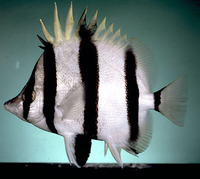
91 83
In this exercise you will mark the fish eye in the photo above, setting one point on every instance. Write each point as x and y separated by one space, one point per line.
33 95
23 97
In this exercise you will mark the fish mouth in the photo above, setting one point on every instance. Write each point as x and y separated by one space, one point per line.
7 105
8 108
11 106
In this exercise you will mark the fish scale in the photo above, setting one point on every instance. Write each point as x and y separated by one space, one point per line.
93 83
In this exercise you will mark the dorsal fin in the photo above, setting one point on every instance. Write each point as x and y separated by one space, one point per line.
98 33
93 23
57 26
81 22
100 28
69 23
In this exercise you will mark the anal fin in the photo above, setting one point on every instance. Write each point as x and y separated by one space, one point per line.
145 134
115 151
105 148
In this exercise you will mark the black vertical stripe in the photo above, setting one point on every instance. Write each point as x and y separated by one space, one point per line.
27 94
89 69
50 85
82 148
157 100
132 93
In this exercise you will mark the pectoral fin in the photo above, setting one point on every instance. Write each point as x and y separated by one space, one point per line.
73 104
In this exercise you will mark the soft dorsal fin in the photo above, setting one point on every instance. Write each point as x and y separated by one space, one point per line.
145 69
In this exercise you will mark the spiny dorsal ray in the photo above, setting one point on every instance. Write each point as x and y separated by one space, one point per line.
69 23
57 26
82 21
92 26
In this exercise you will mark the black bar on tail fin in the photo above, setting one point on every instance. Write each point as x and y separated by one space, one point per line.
171 101
157 100
82 148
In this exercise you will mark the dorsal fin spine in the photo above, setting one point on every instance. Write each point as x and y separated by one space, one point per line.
57 26
115 36
97 33
101 27
93 22
46 33
107 32
69 23
81 22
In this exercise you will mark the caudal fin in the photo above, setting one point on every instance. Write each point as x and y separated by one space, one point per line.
171 101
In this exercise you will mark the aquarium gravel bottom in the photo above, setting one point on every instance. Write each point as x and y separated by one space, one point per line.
97 170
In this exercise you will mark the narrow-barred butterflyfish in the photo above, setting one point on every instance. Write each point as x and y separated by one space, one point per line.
91 83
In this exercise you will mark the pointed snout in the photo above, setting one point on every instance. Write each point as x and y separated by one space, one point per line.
6 104
15 106
10 104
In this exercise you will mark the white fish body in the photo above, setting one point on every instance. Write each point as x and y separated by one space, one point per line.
93 85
